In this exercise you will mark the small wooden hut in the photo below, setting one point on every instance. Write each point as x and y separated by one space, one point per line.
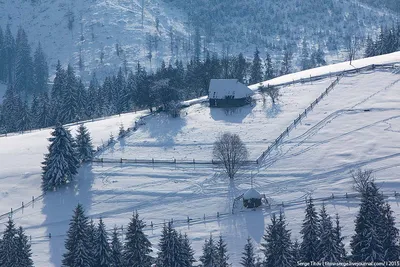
252 199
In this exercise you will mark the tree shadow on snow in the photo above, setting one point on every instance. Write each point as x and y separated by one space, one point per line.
58 207
164 128
232 115
273 111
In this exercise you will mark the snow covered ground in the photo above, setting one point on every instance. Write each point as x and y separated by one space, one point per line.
356 125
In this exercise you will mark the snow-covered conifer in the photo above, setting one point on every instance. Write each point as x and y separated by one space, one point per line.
77 244
61 163
367 242
222 253
248 259
186 251
209 257
84 145
102 247
116 249
137 247
328 250
309 233
9 245
23 251
391 236
339 240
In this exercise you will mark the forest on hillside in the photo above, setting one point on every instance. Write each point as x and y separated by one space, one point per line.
271 25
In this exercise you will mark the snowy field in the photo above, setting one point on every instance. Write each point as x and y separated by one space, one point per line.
356 125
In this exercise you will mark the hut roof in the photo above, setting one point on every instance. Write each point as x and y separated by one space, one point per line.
251 193
221 88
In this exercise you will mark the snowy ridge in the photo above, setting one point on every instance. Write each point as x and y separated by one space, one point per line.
387 60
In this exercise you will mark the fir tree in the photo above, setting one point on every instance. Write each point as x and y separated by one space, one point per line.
92 239
9 52
69 105
61 163
116 249
269 69
82 101
256 69
367 242
286 65
186 252
328 250
9 245
222 253
40 70
137 247
248 259
3 73
77 244
84 145
209 257
339 240
102 248
391 236
309 233
23 64
24 254
305 56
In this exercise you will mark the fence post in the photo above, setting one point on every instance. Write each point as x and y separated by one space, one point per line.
347 196
33 199
151 224
188 220
121 160
49 235
24 206
204 217
194 161
217 214
333 196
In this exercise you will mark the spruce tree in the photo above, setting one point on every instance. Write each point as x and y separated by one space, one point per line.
339 240
137 247
186 252
82 101
43 117
286 65
102 247
269 69
209 257
3 75
24 254
9 52
248 259
23 64
367 242
256 69
9 245
84 145
92 238
169 247
57 91
305 56
77 244
69 111
40 70
309 233
222 253
61 163
328 250
391 236
116 249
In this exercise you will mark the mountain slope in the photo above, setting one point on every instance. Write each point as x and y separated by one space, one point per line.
67 29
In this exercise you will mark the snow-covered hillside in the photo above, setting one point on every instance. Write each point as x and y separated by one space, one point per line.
97 27
355 125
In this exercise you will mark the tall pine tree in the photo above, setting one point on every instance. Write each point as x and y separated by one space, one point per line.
137 247
61 163
102 250
116 249
248 258
309 233
77 244
84 145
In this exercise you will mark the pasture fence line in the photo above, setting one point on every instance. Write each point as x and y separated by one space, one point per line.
318 99
212 217
165 161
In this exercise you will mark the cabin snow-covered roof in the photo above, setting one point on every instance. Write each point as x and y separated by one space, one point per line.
222 88
251 193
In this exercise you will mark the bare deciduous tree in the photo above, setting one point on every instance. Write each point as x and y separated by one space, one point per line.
271 91
361 179
231 152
